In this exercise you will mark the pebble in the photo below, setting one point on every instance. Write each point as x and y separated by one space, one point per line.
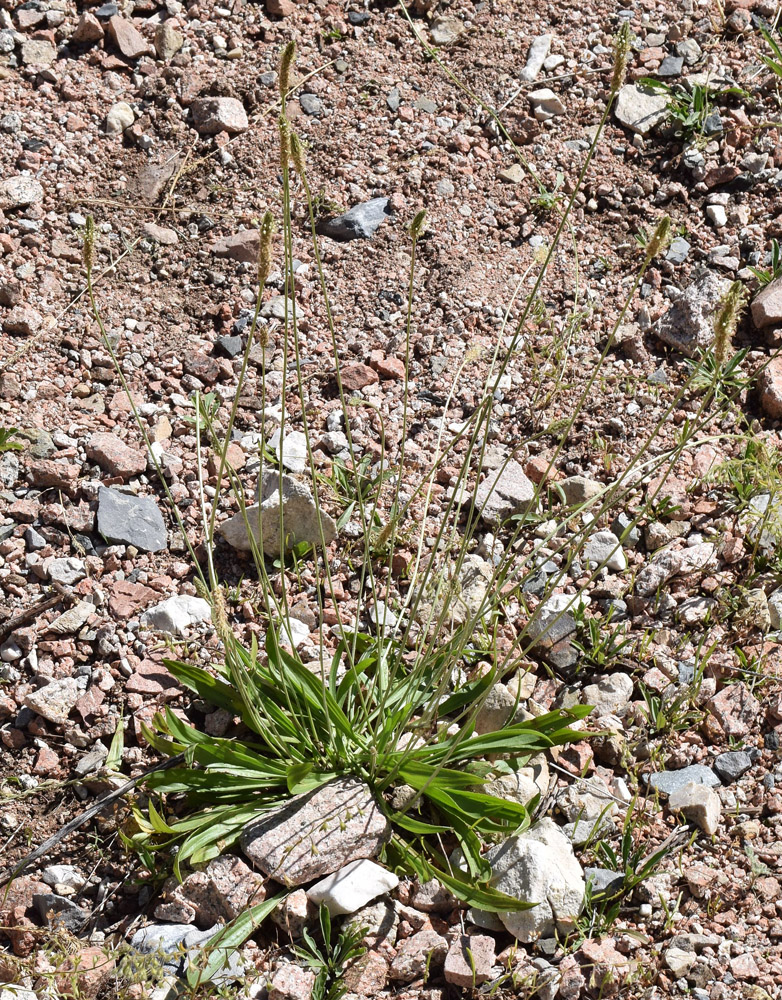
317 833
539 866
359 223
177 615
536 56
119 118
219 114
19 192
639 109
698 803
54 700
667 782
689 323
127 519
352 887
732 765
545 104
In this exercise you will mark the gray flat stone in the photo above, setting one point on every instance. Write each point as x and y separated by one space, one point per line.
667 782
732 765
125 519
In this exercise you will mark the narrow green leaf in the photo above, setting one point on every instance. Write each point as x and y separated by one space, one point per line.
226 941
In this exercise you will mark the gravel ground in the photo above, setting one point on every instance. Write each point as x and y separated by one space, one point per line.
160 121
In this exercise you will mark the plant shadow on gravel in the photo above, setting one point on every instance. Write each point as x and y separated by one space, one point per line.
396 706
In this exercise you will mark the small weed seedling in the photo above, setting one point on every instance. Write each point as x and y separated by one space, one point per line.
330 959
766 275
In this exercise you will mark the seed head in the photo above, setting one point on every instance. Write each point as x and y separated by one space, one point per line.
297 154
417 225
658 241
286 62
727 320
621 54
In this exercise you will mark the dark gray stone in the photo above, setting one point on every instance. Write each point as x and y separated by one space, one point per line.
311 105
33 540
393 100
671 66
360 223
125 519
551 634
268 79
604 880
358 17
731 765
667 782
678 250
629 534
229 347
60 913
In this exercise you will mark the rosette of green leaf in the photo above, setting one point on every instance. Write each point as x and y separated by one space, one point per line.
304 733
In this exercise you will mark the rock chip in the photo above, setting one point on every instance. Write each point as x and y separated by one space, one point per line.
22 321
735 708
67 570
732 765
159 234
59 912
119 118
551 633
352 887
579 489
446 29
291 982
168 41
19 192
640 109
317 833
300 518
127 37
539 866
243 246
767 305
219 114
126 519
688 325
68 875
38 52
470 960
357 376
504 493
667 782
603 549
178 614
610 695
112 454
698 803
536 55
359 223
88 30
415 955
54 700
